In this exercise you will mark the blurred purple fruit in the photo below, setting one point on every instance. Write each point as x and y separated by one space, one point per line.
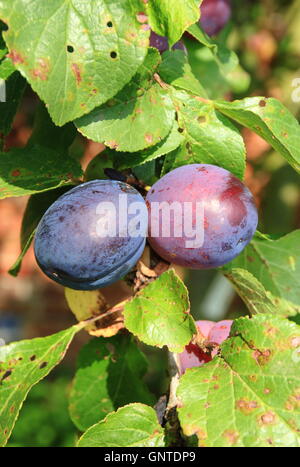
161 43
214 15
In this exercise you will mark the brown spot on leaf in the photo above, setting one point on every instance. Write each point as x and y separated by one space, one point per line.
148 138
201 119
262 103
42 70
293 401
15 57
153 100
16 173
246 406
253 377
33 357
232 436
201 434
112 144
270 331
268 418
77 73
43 365
262 357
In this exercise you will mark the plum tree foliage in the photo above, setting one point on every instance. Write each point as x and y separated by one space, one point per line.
117 73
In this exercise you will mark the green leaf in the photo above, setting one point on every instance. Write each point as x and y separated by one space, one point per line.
171 19
34 169
23 364
249 395
159 314
7 68
208 137
274 263
134 425
146 173
95 169
256 297
271 120
225 58
14 88
46 133
15 268
3 49
141 115
76 55
125 160
109 375
176 70
35 209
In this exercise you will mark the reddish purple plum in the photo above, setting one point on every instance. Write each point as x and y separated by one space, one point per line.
220 331
214 15
200 216
214 333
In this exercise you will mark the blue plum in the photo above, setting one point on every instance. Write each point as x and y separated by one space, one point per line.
206 218
214 15
88 238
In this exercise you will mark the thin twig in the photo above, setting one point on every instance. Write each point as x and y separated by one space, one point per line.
115 309
172 425
174 370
